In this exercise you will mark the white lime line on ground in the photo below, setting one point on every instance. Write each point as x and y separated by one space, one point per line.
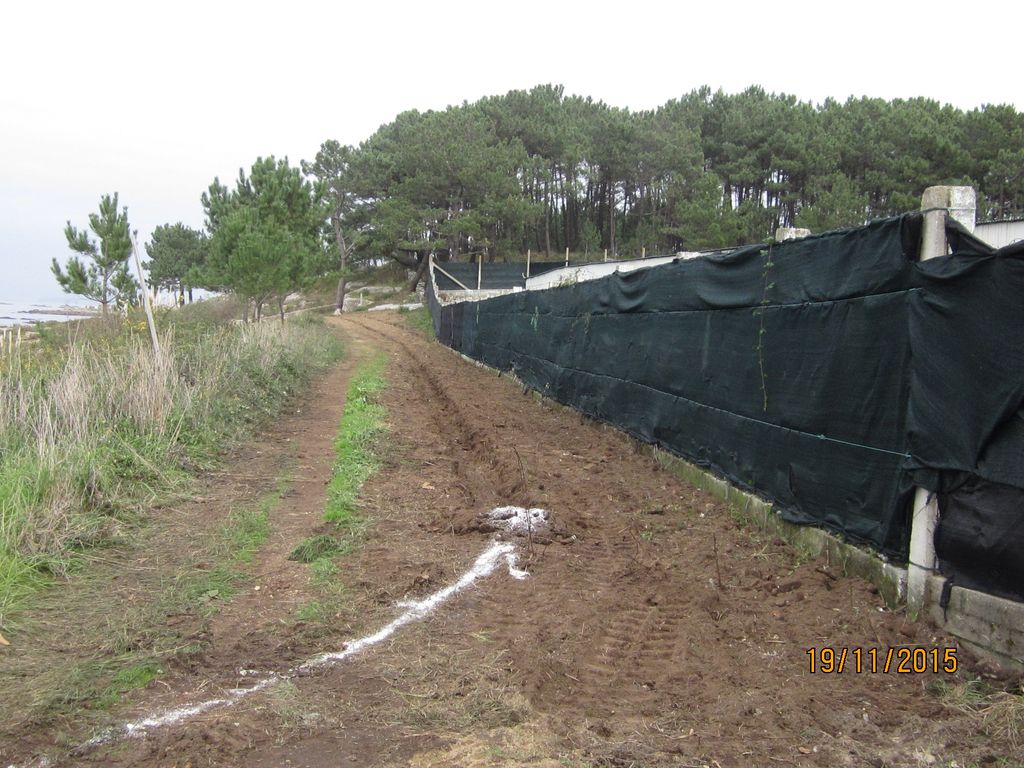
512 519
418 609
485 565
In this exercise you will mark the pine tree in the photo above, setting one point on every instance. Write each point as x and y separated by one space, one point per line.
101 274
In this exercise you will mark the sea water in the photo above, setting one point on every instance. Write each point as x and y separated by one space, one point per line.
30 312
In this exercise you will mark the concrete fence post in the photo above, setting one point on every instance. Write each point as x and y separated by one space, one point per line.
937 203
790 233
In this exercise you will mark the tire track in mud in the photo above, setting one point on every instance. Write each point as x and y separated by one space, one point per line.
625 652
489 475
613 655
631 636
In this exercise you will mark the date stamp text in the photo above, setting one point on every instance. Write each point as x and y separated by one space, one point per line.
903 660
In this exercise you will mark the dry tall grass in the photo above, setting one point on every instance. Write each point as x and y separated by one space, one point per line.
83 443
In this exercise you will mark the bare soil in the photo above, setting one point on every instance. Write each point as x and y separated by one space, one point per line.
653 630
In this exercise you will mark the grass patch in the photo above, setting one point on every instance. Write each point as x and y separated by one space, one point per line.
133 653
20 578
313 612
292 709
1003 718
316 548
247 530
243 533
333 601
419 320
128 679
355 446
1001 713
324 570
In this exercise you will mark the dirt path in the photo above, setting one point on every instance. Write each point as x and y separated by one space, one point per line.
652 630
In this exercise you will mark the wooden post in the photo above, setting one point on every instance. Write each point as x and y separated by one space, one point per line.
145 297
938 203
567 257
606 254
643 252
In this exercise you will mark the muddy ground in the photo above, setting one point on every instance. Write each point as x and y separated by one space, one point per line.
653 629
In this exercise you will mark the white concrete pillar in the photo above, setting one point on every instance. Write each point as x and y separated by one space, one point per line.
937 203
790 233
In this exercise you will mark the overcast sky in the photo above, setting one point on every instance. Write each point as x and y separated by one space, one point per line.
154 100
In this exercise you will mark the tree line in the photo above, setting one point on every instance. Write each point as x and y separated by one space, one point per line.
544 171
263 240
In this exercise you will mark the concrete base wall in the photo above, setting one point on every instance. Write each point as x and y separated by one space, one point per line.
454 297
991 627
891 580
581 272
